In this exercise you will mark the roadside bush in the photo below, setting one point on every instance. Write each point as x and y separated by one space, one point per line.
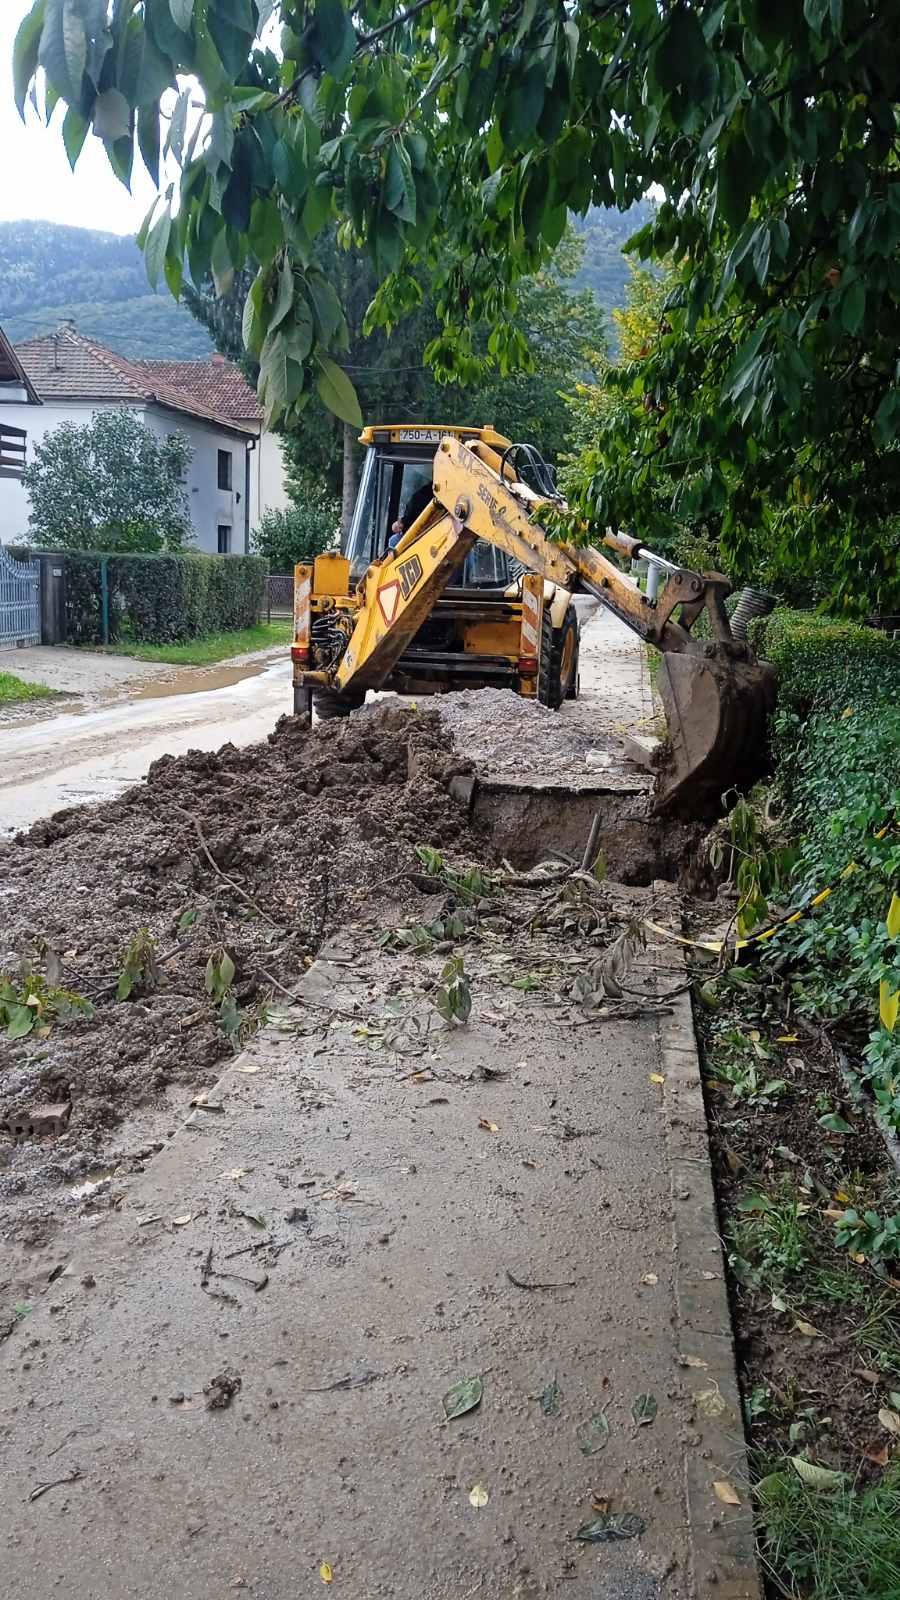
837 741
161 599
301 532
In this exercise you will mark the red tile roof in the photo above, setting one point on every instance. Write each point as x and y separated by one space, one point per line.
68 366
220 384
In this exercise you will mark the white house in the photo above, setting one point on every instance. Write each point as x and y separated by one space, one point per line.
17 400
236 472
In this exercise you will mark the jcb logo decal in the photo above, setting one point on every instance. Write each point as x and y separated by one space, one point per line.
409 573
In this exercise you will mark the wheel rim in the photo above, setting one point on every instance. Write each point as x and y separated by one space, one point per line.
567 660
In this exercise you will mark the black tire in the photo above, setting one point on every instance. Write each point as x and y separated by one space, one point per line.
329 704
558 679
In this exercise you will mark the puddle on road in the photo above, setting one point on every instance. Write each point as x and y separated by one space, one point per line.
198 680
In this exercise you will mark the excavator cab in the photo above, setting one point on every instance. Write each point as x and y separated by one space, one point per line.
494 624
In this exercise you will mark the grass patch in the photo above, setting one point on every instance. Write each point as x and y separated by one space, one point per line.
13 689
210 647
837 1545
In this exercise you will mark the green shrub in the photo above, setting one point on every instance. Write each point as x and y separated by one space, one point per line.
162 599
824 661
837 744
301 532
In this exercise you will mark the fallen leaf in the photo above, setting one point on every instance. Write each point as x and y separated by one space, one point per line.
593 1435
236 1173
643 1409
649 1277
840 1195
807 1329
550 1399
657 1077
788 1038
867 1374
600 1504
326 1573
606 1528
421 1077
860 1259
692 1361
734 1161
726 1492
833 1213
890 1420
711 1402
182 1222
464 1396
710 1277
489 1127
478 1496
754 1036
894 1399
817 1477
778 1304
248 1067
879 1458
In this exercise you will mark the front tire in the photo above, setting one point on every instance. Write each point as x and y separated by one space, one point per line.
558 677
329 704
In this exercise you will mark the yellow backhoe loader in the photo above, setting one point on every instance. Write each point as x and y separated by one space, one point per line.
447 580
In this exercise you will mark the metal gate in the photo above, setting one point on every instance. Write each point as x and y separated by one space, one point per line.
20 601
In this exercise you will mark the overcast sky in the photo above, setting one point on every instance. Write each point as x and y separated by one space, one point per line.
36 180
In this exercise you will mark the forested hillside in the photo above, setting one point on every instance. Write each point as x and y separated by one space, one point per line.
48 272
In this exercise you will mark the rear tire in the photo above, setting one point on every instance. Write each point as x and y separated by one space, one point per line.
329 704
558 677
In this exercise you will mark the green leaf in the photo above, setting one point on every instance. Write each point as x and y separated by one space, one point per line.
593 1435
74 132
19 1021
266 236
550 1399
181 12
337 392
25 52
462 1397
221 264
817 1477
832 1123
853 306
226 970
112 115
125 984
643 1409
285 297
522 107
610 1528
63 48
334 40
149 139
178 125
155 250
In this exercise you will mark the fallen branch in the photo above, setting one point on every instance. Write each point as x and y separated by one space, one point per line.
521 1284
190 817
43 1488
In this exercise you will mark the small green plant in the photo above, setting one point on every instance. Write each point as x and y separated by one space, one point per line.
30 1004
830 1543
452 998
470 885
739 1059
220 974
140 966
770 1232
870 1235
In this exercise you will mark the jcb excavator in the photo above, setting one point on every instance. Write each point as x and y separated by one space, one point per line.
447 580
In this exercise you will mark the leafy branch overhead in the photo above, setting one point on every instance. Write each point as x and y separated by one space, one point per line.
450 138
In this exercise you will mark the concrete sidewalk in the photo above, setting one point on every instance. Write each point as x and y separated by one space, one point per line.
349 1233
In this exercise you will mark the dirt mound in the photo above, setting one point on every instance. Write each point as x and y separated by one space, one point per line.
259 852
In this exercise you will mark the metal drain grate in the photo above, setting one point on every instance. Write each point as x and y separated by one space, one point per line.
37 1122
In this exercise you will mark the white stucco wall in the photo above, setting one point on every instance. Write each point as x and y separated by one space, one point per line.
271 492
210 507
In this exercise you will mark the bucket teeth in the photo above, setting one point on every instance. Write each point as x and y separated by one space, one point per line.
717 712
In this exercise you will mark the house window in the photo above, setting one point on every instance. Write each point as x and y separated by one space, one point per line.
224 539
224 469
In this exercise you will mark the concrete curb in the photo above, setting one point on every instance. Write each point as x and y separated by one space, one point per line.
721 1536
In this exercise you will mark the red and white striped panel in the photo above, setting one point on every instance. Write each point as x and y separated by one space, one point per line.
302 592
532 609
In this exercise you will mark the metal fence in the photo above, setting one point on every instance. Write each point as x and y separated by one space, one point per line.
20 601
280 595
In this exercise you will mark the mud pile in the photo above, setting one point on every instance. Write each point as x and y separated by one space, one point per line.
300 832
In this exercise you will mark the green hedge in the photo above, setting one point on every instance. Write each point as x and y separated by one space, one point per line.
824 662
837 747
161 599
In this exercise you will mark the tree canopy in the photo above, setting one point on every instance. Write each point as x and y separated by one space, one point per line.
452 137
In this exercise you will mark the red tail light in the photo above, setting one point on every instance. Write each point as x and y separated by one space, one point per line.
300 654
528 666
